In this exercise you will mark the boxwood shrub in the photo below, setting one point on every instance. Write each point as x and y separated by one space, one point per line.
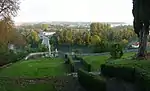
86 66
11 57
69 61
91 82
122 72
129 70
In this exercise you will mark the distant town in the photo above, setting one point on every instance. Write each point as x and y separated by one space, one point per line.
71 24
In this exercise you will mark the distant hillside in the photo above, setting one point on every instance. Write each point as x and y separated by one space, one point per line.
64 22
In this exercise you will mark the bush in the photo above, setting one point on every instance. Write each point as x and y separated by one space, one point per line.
70 62
129 70
116 51
42 48
11 57
126 73
87 66
91 82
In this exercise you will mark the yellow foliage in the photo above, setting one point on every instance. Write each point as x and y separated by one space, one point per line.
6 28
34 35
125 41
95 39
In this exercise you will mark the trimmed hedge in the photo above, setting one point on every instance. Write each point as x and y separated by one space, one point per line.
11 57
129 70
69 61
86 66
91 82
126 73
116 51
71 64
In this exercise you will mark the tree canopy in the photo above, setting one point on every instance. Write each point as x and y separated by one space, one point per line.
9 7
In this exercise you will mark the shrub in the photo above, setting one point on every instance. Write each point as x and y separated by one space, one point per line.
42 48
116 51
87 66
69 61
129 70
11 57
91 82
122 72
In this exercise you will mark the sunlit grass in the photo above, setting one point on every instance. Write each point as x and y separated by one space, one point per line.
96 61
35 68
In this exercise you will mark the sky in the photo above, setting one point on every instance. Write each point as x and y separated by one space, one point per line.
75 10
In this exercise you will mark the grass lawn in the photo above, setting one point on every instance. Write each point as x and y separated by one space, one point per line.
35 68
38 68
96 61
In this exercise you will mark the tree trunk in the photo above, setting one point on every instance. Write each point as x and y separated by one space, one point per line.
142 44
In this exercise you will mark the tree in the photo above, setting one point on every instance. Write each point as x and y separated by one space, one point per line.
16 38
141 23
45 27
34 39
9 8
95 39
100 29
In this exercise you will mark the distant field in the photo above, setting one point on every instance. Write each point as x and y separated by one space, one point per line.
96 61
35 68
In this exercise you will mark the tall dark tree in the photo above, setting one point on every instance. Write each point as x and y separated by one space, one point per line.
141 13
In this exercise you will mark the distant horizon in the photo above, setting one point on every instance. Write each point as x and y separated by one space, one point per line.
130 23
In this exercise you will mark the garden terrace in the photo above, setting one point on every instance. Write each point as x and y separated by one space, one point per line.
35 68
96 61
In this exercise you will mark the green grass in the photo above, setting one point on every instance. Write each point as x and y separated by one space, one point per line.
35 68
39 68
96 61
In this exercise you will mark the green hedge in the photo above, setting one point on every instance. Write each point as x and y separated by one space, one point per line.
91 82
69 61
86 66
126 73
11 57
129 70
116 51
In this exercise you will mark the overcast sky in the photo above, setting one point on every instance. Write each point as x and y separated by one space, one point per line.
75 10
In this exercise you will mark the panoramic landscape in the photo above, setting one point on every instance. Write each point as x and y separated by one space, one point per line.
74 45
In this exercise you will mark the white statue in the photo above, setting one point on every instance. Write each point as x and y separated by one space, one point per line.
46 43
